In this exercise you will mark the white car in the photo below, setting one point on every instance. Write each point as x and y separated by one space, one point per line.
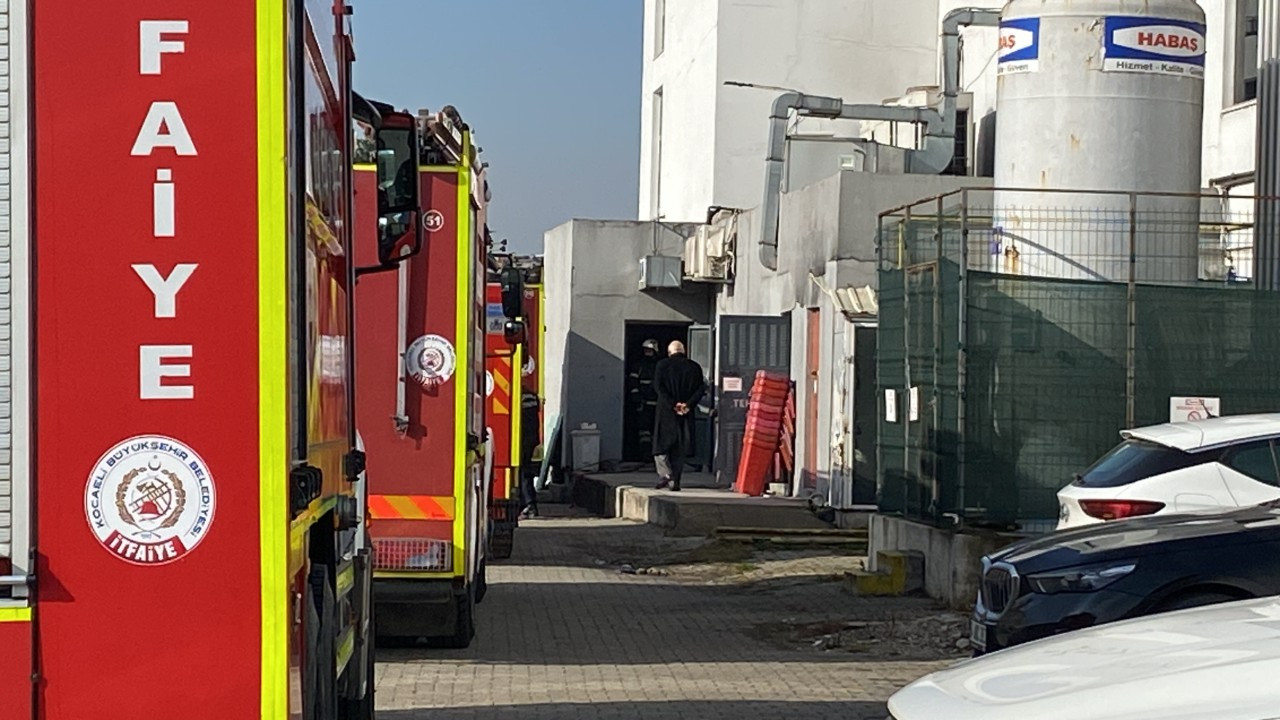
1218 662
1206 465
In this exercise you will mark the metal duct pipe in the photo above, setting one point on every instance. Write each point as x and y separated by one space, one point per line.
940 126
1266 255
825 107
940 146
774 157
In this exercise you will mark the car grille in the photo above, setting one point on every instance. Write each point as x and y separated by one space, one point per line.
999 588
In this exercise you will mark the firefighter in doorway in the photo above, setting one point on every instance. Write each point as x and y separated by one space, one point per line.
642 397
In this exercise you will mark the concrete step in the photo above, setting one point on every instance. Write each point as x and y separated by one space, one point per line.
893 572
697 510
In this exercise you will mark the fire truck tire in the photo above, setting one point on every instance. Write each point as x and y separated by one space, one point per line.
482 582
310 673
321 690
464 624
362 709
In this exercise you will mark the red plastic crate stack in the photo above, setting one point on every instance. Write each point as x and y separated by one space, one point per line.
787 446
766 416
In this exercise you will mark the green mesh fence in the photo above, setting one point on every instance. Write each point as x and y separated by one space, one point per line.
1017 339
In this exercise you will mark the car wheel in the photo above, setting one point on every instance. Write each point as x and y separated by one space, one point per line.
1194 599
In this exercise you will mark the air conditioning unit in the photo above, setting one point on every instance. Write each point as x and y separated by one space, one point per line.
708 253
659 272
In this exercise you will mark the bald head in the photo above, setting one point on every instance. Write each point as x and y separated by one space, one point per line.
675 348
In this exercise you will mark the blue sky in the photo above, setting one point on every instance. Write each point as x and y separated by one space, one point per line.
550 87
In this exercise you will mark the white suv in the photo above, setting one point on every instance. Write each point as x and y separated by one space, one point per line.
1199 466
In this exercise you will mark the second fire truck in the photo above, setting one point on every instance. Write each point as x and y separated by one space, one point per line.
420 378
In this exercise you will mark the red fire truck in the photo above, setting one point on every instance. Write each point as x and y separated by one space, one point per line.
531 371
188 536
504 351
420 382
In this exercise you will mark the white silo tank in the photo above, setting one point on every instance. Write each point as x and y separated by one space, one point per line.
1099 95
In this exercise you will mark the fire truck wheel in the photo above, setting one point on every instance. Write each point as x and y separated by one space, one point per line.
321 690
310 673
482 582
362 709
464 628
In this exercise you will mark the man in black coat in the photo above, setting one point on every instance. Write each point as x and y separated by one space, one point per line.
679 384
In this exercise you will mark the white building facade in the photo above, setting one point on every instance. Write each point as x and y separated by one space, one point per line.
703 142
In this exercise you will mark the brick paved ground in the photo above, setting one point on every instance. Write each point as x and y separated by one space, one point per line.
563 636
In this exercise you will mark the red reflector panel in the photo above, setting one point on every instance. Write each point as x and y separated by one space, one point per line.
415 554
1119 509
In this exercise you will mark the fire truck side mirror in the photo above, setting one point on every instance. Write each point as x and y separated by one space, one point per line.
399 236
512 292
399 190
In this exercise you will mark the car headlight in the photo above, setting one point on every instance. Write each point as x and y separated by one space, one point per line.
1079 579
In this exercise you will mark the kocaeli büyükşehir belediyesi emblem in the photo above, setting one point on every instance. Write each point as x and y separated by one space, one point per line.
150 500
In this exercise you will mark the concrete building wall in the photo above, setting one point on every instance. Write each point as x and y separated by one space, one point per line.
1229 124
714 136
557 281
677 143
861 50
593 269
1229 121
826 240
829 225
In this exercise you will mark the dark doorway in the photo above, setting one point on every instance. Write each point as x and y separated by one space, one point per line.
637 418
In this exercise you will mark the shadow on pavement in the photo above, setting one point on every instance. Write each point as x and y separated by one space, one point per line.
690 709
587 545
644 622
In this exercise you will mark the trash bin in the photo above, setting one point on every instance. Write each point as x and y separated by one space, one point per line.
586 447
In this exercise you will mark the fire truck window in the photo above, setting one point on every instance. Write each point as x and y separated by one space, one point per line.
364 142
396 169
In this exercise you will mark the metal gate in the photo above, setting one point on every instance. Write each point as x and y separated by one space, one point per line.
748 343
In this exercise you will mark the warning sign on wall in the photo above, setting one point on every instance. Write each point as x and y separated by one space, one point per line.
1189 409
